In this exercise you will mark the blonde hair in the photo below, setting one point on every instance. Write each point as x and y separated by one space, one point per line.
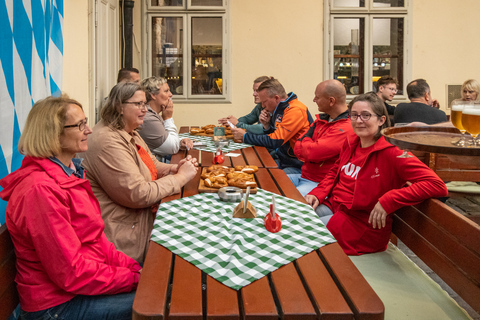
471 85
111 111
152 86
41 136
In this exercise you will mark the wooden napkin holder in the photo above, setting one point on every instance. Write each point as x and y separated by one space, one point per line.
250 213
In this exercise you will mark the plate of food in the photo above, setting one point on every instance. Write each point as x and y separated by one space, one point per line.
208 130
217 176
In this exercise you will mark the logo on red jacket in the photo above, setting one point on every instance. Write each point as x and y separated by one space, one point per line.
377 173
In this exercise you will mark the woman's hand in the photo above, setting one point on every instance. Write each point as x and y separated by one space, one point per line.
312 200
167 112
174 169
187 170
186 143
378 217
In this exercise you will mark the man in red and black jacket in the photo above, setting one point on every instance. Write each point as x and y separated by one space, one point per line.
320 147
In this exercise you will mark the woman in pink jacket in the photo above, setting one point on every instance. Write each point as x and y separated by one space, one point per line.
368 183
66 267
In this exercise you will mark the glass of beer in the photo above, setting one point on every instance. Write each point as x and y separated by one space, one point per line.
456 118
471 121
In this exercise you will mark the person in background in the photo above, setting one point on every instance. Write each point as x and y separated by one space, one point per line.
320 146
128 75
367 184
470 90
66 268
284 120
422 107
159 131
250 121
126 178
386 90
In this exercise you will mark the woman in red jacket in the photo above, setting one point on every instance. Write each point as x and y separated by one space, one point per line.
66 267
367 183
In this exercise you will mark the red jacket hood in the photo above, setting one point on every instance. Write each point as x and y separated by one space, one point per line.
30 165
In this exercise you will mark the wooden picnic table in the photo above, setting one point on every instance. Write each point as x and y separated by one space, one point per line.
323 284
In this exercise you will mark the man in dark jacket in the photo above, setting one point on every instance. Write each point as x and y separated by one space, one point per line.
422 107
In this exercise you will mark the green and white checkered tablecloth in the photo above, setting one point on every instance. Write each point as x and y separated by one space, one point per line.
236 252
210 145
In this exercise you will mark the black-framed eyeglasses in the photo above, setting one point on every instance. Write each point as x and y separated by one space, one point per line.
364 116
81 126
138 104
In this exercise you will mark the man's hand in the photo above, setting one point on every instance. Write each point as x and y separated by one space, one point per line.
264 119
436 104
223 121
167 112
378 217
232 120
238 134
312 200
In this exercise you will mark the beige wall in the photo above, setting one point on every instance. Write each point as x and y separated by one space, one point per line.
445 46
76 52
263 43
276 38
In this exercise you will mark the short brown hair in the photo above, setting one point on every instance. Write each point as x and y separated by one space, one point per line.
111 111
261 79
384 80
273 87
378 107
41 135
124 74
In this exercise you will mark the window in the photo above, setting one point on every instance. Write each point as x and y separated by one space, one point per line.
187 46
364 40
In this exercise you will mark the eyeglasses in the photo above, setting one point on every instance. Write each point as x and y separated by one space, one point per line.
81 126
392 89
138 104
364 116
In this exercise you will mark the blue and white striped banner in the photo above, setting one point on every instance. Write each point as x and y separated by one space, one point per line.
31 61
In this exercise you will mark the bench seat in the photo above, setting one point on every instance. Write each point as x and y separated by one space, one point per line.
405 290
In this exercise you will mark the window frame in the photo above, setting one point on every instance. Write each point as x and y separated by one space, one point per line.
222 12
368 13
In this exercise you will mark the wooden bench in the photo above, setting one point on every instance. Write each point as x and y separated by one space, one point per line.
8 289
445 241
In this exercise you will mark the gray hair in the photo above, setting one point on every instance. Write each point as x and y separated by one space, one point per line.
152 86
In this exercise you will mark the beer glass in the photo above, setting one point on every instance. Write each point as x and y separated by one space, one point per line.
456 118
471 121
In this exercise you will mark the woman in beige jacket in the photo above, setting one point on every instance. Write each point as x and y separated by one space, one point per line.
126 178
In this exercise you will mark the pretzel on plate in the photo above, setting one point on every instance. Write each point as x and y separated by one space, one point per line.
246 169
216 182
242 183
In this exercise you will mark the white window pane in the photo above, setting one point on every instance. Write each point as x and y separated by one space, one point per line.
348 53
167 46
207 48
388 3
388 40
349 3
212 3
167 3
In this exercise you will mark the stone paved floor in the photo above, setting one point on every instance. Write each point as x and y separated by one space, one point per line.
468 206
